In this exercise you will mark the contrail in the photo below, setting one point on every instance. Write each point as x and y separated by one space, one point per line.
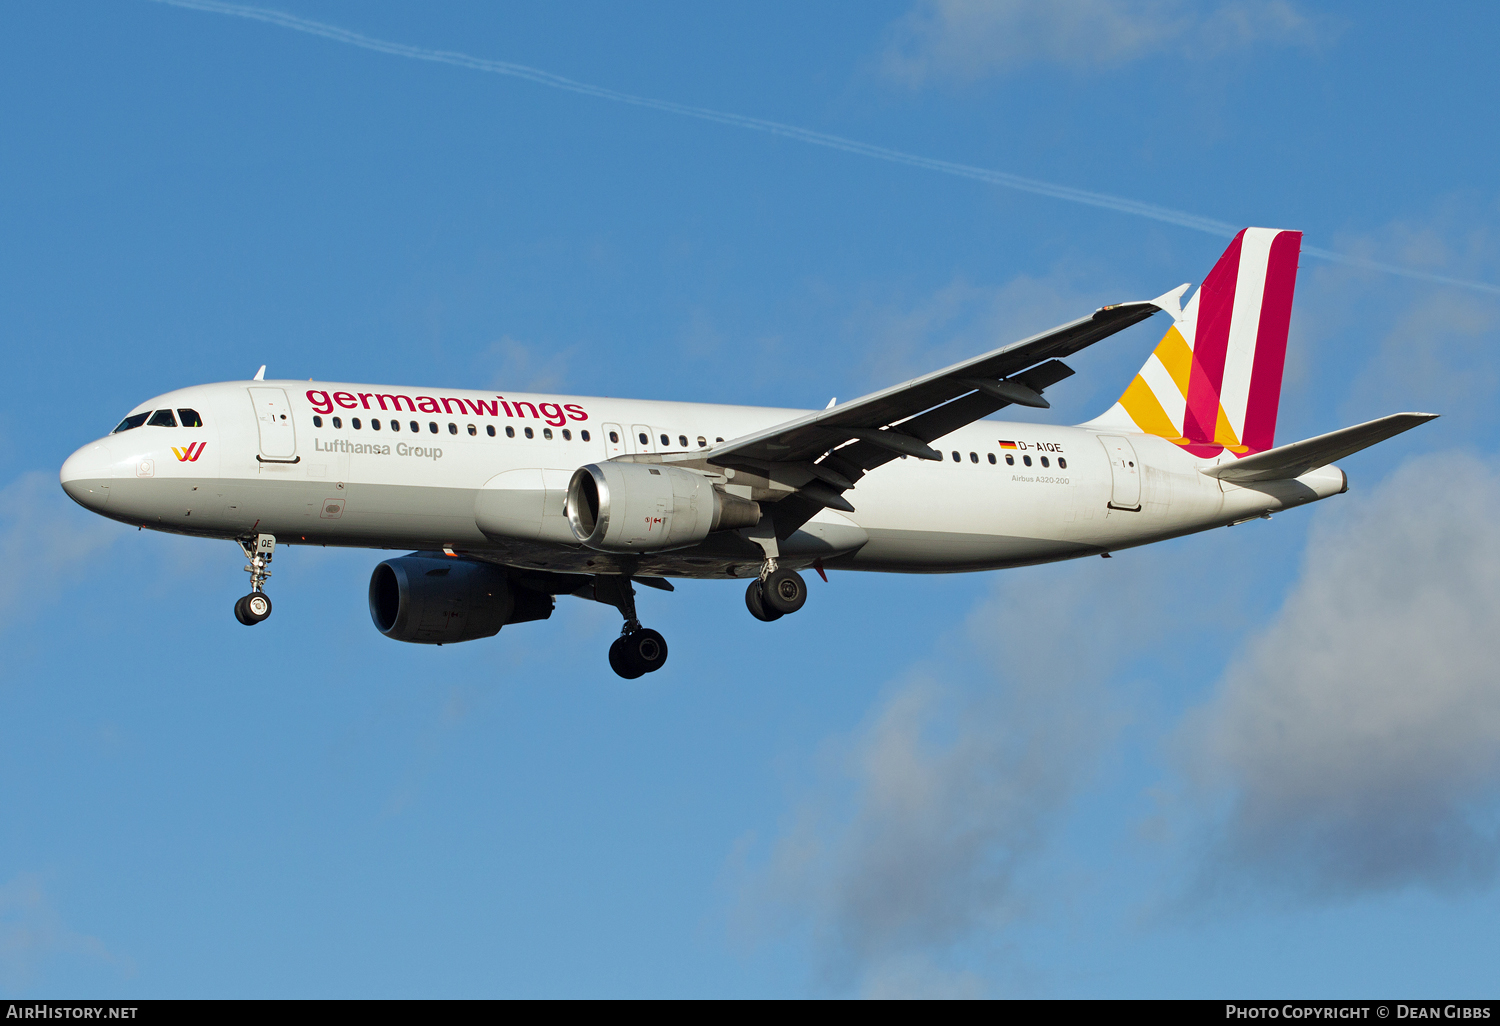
1119 204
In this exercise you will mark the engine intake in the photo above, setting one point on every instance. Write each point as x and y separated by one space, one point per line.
640 507
437 601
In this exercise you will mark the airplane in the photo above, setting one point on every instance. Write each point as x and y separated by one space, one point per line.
507 501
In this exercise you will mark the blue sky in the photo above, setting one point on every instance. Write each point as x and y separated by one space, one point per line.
1261 761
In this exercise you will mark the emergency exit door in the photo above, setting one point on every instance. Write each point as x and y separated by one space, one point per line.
614 440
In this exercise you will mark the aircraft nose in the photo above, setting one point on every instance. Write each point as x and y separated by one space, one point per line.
85 476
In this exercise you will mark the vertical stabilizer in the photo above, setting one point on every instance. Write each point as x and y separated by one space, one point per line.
1214 381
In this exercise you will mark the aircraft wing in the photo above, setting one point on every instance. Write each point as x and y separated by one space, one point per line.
903 419
1288 461
809 437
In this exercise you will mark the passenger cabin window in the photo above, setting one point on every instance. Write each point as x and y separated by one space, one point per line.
973 457
1045 463
337 422
666 440
416 428
355 422
510 432
644 440
613 437
718 439
991 456
585 435
1026 460
957 458
529 433
432 426
189 418
1062 463
702 442
162 418
474 431
135 420
547 434
567 435
490 430
317 420
1010 461
682 441
375 425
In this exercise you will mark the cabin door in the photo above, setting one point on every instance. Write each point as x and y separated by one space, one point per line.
1125 474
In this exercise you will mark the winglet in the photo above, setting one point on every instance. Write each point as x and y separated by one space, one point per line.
260 375
1171 302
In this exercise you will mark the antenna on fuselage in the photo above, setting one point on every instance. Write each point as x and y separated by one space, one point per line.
260 375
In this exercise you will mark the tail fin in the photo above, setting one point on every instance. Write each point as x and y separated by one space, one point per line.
1214 382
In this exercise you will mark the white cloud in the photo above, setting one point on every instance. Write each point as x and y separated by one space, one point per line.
1434 346
32 933
972 39
45 540
902 339
526 367
915 977
942 800
1354 745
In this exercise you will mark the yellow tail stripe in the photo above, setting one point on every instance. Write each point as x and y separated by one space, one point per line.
1176 357
1224 433
1140 402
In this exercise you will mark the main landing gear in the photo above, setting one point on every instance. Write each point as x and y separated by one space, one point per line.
256 606
775 593
638 650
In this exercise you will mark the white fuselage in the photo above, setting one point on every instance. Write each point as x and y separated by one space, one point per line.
261 463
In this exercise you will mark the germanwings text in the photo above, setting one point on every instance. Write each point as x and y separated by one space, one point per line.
555 414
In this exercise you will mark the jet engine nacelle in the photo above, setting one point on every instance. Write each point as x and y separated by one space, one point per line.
437 601
642 507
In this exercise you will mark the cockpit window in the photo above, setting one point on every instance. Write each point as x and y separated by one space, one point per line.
162 418
135 420
189 418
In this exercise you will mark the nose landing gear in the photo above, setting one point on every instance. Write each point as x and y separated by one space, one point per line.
256 606
638 650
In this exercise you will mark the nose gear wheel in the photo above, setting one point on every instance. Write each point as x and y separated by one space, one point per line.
256 606
253 608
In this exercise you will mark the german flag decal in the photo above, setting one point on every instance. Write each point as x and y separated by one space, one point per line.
1007 445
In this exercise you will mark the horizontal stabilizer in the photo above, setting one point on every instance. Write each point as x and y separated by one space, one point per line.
1289 461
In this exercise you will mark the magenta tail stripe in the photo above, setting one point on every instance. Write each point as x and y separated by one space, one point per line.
1270 343
1211 342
